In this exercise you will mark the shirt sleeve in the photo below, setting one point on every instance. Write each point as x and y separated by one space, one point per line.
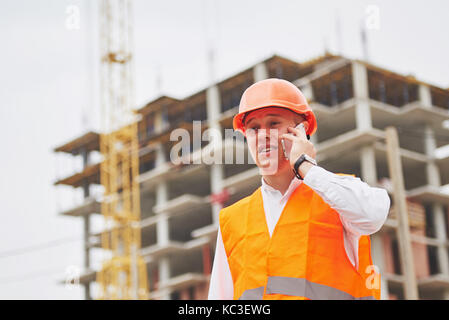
221 286
363 209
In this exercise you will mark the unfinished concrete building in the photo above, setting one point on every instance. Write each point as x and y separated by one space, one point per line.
354 102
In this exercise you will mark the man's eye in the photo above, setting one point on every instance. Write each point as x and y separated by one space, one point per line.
273 123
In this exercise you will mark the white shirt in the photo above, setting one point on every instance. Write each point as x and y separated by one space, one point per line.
363 210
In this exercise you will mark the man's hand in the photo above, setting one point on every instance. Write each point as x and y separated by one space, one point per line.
300 145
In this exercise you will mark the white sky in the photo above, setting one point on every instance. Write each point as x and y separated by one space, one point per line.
48 77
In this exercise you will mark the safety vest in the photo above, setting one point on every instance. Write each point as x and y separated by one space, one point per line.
304 259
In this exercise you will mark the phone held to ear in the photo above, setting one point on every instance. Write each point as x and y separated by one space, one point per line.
287 145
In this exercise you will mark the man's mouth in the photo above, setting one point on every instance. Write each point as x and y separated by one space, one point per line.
266 149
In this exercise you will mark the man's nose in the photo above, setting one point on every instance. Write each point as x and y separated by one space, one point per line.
262 134
265 134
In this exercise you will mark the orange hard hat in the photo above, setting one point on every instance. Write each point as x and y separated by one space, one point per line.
274 93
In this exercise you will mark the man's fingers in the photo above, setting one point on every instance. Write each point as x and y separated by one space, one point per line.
298 132
288 136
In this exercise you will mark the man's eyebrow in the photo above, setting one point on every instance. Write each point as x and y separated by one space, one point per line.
267 115
247 122
273 115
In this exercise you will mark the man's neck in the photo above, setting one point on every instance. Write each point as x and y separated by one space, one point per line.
280 181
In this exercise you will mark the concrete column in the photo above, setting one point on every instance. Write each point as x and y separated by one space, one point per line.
440 233
87 295
216 171
164 275
158 122
86 241
86 190
361 93
85 156
86 222
433 178
433 174
162 223
260 72
162 232
161 199
425 96
368 165
216 177
379 261
86 219
213 103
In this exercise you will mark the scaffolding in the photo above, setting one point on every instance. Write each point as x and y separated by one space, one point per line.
123 274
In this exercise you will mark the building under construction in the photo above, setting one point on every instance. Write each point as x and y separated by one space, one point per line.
353 101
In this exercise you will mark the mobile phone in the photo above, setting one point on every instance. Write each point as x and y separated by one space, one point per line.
287 145
301 127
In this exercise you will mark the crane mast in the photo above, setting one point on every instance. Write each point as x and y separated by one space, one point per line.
123 274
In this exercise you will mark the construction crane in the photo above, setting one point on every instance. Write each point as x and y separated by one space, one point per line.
123 274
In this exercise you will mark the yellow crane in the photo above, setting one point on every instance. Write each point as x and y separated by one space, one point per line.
123 274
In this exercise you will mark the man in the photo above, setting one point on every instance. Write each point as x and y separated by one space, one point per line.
304 233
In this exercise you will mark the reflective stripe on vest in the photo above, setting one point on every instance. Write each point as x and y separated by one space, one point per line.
300 288
252 294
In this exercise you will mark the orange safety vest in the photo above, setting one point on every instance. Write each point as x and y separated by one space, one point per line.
304 259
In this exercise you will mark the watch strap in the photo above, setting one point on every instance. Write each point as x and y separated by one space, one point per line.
298 162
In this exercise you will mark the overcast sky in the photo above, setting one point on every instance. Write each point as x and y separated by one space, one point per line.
48 81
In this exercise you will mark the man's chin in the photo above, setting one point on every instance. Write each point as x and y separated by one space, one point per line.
269 167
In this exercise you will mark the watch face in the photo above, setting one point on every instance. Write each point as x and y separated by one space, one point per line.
310 159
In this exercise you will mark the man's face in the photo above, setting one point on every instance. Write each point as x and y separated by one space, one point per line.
264 128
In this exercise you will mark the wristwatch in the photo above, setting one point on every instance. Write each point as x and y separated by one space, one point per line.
301 159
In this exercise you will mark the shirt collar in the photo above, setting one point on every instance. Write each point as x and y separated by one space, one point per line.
293 185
